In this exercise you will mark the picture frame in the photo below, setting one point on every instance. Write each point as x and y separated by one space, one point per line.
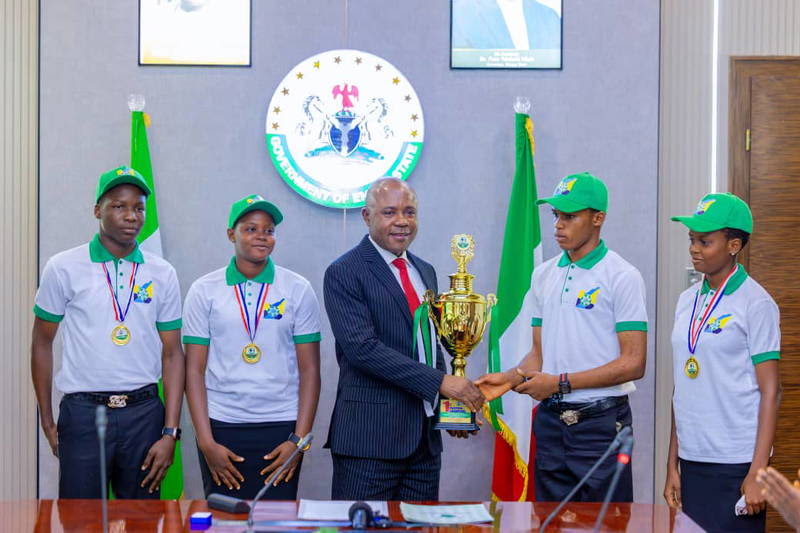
506 34
195 33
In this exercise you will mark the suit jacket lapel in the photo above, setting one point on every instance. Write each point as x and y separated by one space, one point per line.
382 272
427 279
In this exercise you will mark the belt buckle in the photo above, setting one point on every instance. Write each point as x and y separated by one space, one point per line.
569 417
117 400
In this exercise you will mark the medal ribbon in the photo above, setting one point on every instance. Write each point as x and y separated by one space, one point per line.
119 315
422 324
694 334
245 313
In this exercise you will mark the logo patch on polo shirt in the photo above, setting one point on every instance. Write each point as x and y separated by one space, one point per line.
715 325
702 207
587 299
565 187
143 293
275 310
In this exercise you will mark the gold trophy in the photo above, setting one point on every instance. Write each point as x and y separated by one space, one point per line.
460 317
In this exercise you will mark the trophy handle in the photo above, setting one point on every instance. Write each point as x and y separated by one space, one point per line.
430 298
491 301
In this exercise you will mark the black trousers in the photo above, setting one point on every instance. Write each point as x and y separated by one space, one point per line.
414 478
253 442
565 453
130 433
709 492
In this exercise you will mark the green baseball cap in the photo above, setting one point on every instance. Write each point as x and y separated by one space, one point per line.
577 192
718 211
254 202
119 176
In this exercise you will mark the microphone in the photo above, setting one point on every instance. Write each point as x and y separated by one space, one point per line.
360 515
101 422
623 460
622 434
305 441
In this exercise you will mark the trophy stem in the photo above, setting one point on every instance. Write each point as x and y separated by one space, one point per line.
459 363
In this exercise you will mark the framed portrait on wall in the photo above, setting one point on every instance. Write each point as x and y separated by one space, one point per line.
195 32
506 34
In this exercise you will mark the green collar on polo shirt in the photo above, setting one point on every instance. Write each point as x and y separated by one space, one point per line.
234 277
99 254
587 261
734 283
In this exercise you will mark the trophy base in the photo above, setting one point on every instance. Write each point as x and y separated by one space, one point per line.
455 416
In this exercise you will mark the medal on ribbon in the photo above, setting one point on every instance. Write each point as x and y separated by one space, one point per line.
251 353
692 367
121 335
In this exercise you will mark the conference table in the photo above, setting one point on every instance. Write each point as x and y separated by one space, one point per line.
45 516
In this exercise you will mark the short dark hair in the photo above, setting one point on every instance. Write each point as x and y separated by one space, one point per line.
733 233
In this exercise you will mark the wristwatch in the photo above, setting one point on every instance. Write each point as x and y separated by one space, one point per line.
175 433
564 386
294 439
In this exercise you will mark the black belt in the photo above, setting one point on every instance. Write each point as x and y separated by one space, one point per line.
116 400
571 413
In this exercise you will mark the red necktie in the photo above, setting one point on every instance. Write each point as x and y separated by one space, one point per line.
408 287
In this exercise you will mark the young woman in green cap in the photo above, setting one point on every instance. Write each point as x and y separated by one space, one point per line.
726 347
252 335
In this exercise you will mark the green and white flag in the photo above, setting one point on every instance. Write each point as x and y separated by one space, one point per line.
150 240
510 328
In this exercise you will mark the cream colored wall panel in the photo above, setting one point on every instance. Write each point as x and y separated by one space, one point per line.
18 243
750 28
684 170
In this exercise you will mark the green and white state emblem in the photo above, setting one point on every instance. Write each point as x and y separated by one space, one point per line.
340 120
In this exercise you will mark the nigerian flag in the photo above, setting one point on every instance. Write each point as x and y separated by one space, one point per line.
150 240
510 328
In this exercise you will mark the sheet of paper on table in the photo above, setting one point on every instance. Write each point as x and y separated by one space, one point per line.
445 514
334 510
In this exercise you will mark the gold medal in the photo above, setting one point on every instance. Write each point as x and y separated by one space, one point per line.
251 354
692 367
121 335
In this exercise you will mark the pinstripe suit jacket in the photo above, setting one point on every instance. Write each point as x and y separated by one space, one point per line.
378 411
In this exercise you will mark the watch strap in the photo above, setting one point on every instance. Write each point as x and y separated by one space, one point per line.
175 433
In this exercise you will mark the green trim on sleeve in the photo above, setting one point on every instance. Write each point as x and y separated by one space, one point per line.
536 322
309 337
44 315
202 341
631 326
169 326
766 356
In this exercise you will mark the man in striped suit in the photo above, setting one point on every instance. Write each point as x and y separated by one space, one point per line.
381 433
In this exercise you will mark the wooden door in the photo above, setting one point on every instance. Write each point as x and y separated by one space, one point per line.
765 171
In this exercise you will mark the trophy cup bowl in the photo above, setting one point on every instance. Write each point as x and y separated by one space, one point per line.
460 317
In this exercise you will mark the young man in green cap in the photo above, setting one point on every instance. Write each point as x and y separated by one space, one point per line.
725 347
589 345
119 313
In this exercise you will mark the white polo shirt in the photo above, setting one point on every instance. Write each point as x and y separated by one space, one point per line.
238 391
716 413
74 291
581 307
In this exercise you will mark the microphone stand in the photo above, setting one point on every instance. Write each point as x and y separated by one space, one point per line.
623 433
623 459
305 441
101 421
